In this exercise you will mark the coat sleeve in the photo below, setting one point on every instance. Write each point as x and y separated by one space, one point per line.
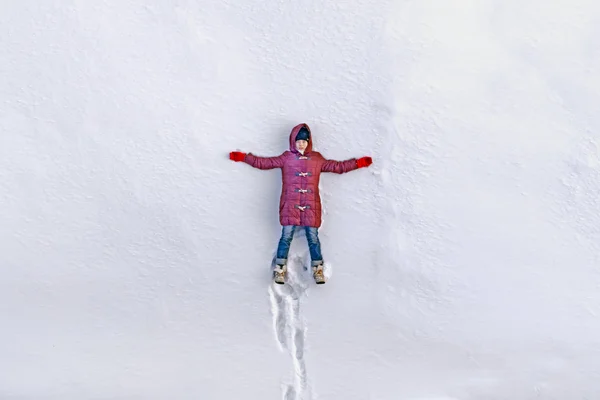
264 162
339 167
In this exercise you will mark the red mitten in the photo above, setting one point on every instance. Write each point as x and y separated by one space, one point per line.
364 162
237 156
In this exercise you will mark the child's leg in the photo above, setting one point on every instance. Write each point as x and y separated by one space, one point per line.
314 245
287 234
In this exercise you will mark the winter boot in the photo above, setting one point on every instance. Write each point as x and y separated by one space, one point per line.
318 274
279 274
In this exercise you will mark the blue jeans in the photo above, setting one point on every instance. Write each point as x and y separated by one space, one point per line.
314 245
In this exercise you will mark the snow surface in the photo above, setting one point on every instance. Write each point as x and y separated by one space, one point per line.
135 255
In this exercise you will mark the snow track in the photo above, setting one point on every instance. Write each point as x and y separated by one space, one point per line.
290 326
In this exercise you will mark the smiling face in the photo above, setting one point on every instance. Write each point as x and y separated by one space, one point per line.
301 145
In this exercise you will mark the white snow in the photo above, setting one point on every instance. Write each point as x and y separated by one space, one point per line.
134 255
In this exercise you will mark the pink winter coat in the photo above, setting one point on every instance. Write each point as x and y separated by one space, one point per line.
300 203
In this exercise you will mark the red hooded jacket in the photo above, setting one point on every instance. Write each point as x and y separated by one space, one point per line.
300 203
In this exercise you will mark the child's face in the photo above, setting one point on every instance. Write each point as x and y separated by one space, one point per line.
301 145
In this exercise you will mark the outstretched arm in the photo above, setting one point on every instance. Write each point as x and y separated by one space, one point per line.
340 167
256 161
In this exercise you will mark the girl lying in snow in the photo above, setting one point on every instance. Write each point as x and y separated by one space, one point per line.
300 203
